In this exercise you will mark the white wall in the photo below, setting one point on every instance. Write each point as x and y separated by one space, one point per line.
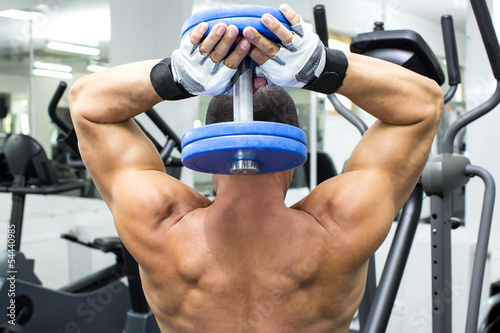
357 16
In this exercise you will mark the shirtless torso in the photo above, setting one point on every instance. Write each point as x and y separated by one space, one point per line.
229 267
275 270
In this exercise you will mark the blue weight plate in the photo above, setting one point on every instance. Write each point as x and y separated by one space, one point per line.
239 15
244 128
241 23
273 153
230 12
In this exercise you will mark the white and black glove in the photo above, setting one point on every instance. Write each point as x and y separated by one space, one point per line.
198 74
305 63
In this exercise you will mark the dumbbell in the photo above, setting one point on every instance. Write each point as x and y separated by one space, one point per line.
243 146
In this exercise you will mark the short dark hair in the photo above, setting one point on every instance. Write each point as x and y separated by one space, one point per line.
269 104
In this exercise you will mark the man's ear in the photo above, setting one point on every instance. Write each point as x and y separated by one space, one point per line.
258 82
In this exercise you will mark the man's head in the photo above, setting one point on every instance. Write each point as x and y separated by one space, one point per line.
269 104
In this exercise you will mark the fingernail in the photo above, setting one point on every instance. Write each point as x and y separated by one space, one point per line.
221 30
249 34
203 27
244 44
267 19
285 8
232 32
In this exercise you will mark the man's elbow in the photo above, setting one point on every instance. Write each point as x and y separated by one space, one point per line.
76 100
434 104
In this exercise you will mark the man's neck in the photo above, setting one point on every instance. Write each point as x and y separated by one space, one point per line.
268 188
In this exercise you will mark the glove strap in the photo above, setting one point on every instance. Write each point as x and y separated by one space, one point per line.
333 75
163 82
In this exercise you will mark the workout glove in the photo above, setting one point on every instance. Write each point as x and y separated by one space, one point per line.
305 63
198 74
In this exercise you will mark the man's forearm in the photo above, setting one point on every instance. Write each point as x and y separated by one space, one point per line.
116 94
389 92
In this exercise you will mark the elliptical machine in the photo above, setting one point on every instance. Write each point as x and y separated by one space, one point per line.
99 301
442 175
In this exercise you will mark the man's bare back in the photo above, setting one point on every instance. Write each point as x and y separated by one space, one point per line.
229 267
275 270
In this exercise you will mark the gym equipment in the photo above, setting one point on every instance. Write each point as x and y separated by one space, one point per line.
35 308
69 143
441 176
243 146
274 146
99 302
403 47
449 171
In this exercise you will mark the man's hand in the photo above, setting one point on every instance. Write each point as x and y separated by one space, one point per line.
299 60
203 66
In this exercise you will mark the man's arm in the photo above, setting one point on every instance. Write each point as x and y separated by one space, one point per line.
122 161
359 206
386 164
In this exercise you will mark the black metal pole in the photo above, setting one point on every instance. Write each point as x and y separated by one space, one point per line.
163 127
490 40
17 211
369 295
381 308
348 114
469 117
320 23
53 108
452 64
481 247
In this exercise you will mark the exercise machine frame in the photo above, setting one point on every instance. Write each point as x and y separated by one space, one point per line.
442 175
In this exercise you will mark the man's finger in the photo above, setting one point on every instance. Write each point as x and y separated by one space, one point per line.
290 14
223 47
198 33
285 35
262 43
215 35
258 56
236 57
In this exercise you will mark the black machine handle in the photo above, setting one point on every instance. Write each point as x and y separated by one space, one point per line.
450 48
322 31
173 141
320 23
488 34
53 106
490 40
163 127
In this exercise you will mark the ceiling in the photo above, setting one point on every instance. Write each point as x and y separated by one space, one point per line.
74 21
81 21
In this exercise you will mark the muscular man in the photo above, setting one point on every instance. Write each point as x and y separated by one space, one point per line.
246 262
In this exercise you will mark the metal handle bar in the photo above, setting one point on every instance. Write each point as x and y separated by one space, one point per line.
490 41
450 48
53 106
